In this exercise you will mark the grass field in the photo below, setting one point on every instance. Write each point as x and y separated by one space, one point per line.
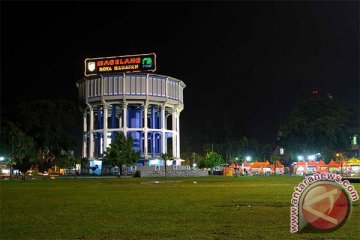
139 208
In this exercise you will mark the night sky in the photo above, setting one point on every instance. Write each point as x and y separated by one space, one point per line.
255 59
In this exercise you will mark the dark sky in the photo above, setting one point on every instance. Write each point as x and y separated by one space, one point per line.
255 59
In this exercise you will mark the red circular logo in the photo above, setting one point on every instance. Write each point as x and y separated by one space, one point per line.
325 206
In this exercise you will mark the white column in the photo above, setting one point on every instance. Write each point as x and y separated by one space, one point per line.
178 135
163 124
125 118
105 129
145 131
174 138
84 146
91 132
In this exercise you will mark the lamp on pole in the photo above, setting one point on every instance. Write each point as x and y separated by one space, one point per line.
341 172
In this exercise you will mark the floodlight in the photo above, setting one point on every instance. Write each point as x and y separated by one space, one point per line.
311 157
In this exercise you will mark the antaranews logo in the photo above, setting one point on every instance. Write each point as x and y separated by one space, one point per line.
321 202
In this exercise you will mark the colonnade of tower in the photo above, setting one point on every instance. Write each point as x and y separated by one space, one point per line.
141 121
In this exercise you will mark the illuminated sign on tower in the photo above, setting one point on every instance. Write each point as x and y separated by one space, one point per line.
127 63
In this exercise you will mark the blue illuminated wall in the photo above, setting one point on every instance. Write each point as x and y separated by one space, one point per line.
135 121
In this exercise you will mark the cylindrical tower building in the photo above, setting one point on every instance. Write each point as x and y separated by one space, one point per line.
145 106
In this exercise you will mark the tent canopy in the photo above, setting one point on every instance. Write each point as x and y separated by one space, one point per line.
353 161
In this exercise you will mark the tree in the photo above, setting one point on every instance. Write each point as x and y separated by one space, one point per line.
63 161
265 152
84 164
317 125
121 152
20 147
212 160
166 157
274 158
51 123
23 164
44 163
14 142
223 132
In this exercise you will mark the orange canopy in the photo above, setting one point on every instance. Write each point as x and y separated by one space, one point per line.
278 164
266 164
257 164
321 163
300 163
332 163
246 164
312 163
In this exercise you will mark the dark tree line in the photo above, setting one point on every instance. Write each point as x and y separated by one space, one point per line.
223 134
319 125
52 124
41 133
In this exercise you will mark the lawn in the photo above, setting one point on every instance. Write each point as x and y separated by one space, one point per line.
144 208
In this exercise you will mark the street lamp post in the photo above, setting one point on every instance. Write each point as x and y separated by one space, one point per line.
341 171
236 167
248 159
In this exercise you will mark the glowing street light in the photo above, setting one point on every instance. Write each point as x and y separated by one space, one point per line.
248 158
2 158
300 157
311 157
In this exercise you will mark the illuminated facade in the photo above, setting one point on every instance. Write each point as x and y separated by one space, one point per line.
146 106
